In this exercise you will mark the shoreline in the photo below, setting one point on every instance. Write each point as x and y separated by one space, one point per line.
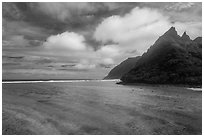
6 80
118 82
54 81
159 85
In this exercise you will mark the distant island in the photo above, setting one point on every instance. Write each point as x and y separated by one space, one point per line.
170 60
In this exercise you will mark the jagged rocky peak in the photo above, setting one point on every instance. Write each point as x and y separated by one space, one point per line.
185 36
171 32
168 36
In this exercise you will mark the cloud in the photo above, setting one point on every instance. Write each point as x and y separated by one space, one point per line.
120 29
177 11
72 46
180 6
16 40
184 12
63 11
35 42
65 41
108 51
71 10
11 28
107 62
139 29
84 65
11 11
133 30
6 43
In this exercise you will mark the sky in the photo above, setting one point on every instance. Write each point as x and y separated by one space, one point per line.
85 40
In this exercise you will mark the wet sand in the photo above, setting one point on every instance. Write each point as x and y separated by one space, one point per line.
100 108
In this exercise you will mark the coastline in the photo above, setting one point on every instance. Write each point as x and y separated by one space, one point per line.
160 85
53 80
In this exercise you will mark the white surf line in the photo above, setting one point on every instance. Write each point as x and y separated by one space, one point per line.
108 80
195 89
54 81
50 81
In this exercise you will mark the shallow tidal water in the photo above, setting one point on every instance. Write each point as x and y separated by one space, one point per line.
99 107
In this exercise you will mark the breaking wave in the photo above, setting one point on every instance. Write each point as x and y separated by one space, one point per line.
55 81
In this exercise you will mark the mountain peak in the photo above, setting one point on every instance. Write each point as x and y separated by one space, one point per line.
185 36
169 35
184 33
172 32
172 28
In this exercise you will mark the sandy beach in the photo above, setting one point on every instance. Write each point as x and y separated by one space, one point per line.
100 108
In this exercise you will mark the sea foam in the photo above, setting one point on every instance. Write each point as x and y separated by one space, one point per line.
56 81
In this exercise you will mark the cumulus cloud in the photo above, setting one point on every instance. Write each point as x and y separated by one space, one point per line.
133 30
66 41
107 55
120 29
